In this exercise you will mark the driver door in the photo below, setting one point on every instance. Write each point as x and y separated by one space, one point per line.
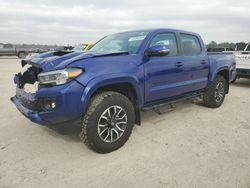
164 75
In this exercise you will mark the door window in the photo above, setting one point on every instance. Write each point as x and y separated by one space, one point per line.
168 39
190 45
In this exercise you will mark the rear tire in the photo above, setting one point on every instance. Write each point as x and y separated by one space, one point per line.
108 122
215 95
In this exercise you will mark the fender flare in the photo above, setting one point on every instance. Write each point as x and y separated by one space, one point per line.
215 73
224 68
105 80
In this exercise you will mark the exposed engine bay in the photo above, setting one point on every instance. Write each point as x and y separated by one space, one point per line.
26 87
27 77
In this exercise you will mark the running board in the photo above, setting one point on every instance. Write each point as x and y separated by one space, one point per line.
163 109
170 102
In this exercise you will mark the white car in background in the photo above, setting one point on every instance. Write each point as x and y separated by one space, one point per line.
243 62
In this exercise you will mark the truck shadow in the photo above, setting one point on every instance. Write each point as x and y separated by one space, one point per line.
153 117
148 118
66 132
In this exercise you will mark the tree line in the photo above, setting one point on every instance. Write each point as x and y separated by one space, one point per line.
214 44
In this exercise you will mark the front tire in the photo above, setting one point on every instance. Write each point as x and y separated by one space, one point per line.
108 122
215 95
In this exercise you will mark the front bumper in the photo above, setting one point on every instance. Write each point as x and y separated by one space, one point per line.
32 115
68 98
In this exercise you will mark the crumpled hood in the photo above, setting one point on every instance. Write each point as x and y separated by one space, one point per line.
58 60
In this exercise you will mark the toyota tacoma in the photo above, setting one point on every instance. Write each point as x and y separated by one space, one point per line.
105 89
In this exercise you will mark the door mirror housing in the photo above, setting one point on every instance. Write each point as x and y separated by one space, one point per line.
158 50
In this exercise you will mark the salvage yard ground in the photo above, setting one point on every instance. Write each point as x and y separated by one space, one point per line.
191 146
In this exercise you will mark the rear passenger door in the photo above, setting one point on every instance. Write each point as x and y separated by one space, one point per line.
195 63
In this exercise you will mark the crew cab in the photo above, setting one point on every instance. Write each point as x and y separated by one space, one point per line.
106 88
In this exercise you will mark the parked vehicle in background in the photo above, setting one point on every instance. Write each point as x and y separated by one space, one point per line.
83 47
40 50
105 89
242 46
67 48
78 48
11 50
242 60
88 46
220 49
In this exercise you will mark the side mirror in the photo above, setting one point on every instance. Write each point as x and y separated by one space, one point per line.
158 50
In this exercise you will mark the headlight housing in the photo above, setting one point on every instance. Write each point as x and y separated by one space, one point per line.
58 77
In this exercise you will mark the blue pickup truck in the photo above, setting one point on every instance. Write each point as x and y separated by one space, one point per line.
105 89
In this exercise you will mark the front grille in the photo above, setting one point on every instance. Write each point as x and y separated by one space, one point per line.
29 101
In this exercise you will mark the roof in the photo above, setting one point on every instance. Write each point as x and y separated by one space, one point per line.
161 30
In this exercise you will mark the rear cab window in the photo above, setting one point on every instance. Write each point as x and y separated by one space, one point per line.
190 45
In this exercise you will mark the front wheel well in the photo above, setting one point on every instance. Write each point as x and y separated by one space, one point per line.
127 90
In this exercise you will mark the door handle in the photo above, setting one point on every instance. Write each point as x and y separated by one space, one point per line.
179 64
203 61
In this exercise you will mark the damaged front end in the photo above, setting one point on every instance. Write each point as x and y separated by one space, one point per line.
46 104
28 77
26 88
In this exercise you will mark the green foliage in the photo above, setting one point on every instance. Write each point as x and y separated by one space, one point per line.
213 44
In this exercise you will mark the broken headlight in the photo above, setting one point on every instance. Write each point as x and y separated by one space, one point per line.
58 77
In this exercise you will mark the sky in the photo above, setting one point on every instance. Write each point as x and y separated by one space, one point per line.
69 22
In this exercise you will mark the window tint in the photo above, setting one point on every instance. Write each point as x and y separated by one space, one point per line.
248 47
168 39
8 46
190 44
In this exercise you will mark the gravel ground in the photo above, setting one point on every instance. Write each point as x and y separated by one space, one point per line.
191 146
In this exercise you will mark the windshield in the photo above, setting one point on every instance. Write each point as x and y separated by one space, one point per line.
121 42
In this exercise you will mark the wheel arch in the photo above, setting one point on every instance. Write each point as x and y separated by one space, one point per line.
127 86
225 73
